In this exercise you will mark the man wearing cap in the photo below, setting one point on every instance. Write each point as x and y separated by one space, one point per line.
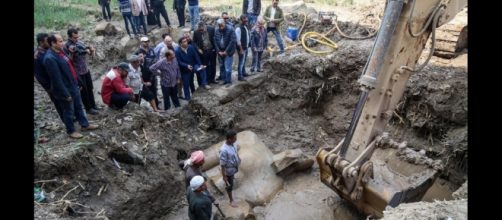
114 92
64 87
136 82
169 72
203 41
225 41
193 167
229 162
147 55
199 204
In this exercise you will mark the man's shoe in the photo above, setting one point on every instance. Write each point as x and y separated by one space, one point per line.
90 127
92 111
76 135
242 79
207 87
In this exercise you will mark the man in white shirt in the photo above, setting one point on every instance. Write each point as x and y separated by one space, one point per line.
243 36
274 17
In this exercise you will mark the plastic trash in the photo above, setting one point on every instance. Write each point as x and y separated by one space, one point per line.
39 195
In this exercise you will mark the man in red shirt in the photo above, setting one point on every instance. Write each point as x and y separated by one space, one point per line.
114 91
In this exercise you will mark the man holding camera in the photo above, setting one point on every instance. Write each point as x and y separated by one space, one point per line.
78 52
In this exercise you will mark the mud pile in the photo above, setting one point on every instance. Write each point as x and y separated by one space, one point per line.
127 166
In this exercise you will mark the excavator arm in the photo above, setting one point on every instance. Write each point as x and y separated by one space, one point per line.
366 167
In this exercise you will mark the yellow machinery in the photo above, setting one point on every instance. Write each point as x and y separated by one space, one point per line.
367 168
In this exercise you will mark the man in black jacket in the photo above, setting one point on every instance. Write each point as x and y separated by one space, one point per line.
252 9
41 74
64 87
243 37
224 40
203 41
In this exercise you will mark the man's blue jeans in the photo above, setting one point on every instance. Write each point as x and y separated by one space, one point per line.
119 100
256 61
252 19
201 76
128 17
73 108
227 64
140 21
277 37
170 92
194 16
241 69
187 78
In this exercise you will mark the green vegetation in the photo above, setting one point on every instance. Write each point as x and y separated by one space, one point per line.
58 14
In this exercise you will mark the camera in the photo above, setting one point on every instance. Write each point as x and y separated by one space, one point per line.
80 48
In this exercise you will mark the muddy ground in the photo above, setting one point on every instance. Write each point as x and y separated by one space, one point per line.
128 168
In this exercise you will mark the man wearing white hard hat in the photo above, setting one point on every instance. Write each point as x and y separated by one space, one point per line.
199 203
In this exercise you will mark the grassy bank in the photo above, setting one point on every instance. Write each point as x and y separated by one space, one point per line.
57 14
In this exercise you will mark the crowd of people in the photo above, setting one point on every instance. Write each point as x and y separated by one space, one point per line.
177 65
62 70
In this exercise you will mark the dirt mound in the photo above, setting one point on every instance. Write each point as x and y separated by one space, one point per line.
432 115
125 167
288 99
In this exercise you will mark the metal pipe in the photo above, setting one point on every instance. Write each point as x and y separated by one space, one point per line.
353 123
386 32
374 64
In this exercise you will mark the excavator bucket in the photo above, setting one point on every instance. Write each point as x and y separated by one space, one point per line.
394 181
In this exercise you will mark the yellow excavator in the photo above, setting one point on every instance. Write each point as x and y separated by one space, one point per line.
367 168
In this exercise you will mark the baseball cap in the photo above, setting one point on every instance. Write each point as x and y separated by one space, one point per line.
124 66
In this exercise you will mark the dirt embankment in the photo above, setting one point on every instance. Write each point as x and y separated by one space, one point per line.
126 167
